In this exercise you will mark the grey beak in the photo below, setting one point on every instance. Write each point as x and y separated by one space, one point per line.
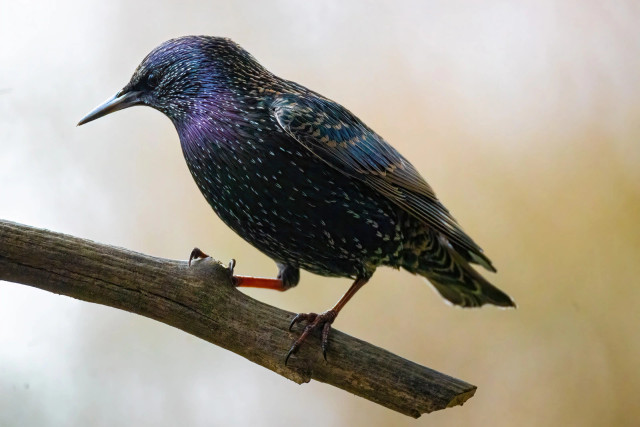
117 102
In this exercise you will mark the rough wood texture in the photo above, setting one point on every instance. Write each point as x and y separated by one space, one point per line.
201 300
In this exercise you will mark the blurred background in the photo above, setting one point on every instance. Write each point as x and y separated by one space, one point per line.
524 117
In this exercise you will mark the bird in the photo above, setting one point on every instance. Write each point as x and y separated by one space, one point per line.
301 178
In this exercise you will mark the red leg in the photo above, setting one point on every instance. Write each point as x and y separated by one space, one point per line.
258 282
323 320
245 281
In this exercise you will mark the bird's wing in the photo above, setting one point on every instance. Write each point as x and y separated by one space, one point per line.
345 143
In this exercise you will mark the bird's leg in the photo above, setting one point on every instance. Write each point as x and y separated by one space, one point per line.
258 282
288 277
323 320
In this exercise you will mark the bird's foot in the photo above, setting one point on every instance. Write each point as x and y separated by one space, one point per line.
314 321
232 266
196 253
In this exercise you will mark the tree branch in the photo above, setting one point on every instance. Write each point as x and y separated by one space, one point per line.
201 301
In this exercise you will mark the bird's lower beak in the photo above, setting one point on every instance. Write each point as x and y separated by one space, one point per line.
118 102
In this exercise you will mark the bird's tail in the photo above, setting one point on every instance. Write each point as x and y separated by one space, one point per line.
450 273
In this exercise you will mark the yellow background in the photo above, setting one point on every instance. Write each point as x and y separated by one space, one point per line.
524 117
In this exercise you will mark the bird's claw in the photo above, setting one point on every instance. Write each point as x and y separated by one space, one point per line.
196 253
300 317
231 268
314 322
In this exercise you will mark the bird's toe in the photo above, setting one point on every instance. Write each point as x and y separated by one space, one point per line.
314 321
196 253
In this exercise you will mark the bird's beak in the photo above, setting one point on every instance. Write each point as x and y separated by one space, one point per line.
118 102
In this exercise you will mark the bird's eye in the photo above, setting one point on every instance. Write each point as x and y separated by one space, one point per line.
152 80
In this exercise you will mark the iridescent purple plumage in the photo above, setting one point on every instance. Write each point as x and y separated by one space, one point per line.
300 177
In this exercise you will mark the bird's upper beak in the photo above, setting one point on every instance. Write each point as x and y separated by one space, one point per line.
120 101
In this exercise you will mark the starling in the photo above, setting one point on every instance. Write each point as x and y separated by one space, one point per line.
301 178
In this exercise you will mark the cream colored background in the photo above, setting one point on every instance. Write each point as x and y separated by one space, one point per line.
524 116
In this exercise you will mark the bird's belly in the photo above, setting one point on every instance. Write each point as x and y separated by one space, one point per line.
303 213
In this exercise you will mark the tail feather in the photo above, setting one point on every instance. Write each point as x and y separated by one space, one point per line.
469 289
452 276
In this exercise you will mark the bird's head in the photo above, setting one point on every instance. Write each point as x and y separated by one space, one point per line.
184 75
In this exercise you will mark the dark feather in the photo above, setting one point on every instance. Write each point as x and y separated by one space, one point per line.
340 139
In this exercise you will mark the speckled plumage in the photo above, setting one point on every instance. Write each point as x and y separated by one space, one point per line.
300 177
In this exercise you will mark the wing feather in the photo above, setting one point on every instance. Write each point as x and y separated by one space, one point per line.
345 143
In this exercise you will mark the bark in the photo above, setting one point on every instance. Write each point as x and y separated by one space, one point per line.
202 301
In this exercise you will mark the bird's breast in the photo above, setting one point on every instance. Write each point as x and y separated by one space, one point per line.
291 205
